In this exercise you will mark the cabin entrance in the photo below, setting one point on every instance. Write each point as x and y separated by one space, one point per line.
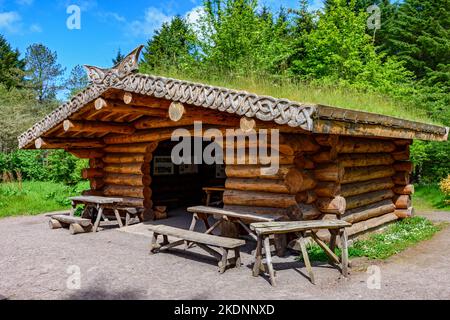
182 185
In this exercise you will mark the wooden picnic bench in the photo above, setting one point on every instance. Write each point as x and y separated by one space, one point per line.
210 190
99 204
203 241
301 228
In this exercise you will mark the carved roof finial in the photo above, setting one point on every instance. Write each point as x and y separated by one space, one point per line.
108 77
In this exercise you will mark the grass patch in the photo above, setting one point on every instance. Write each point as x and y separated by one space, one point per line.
336 96
396 238
429 197
34 197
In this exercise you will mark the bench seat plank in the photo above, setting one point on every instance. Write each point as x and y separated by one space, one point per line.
96 199
296 226
69 220
197 237
232 214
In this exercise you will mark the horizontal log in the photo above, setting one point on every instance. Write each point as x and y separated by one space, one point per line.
401 178
308 197
247 158
147 147
327 189
89 173
336 205
67 143
126 157
403 166
265 185
402 201
130 168
327 140
66 219
367 173
361 200
329 172
303 162
351 189
75 228
404 213
118 107
401 155
252 171
96 163
324 157
365 160
360 145
87 153
403 189
369 211
127 191
96 183
97 126
304 212
259 199
403 142
127 179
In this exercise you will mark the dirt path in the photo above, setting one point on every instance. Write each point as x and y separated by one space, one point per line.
113 264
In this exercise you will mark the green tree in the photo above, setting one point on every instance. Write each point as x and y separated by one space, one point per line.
11 66
77 80
172 47
339 50
44 72
237 39
420 35
118 59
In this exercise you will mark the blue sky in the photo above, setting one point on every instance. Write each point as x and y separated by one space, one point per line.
106 25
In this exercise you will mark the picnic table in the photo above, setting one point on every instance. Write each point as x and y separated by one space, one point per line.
222 215
210 190
300 228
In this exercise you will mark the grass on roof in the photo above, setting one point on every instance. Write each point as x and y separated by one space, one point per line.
334 96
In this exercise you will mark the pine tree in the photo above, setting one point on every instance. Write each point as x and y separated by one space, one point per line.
172 47
420 35
11 66
43 72
77 80
118 59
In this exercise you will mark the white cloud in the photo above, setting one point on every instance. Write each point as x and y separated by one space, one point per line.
193 16
24 2
153 20
111 16
35 28
10 21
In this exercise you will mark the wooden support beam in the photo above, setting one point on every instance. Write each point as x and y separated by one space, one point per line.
132 148
87 153
67 143
119 107
176 111
97 126
259 199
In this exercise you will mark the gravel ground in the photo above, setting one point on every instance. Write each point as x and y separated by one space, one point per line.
38 263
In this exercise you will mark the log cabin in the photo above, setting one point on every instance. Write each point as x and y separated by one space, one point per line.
332 161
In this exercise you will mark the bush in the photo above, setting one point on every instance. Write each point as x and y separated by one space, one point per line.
445 188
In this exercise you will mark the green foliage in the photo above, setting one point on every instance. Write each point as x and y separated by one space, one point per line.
44 72
430 160
34 197
118 59
171 47
77 81
429 197
396 238
11 66
55 165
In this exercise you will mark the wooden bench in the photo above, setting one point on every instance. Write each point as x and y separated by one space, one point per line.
265 229
202 240
75 224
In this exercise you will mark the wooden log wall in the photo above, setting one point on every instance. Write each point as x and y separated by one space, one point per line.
364 181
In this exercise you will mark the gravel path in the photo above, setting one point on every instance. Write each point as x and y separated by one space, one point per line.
36 261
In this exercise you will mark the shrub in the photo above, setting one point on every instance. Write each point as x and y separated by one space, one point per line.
445 188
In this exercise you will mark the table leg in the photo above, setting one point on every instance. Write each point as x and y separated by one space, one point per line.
208 198
118 218
223 262
306 259
99 217
154 245
269 260
72 210
237 256
344 247
258 257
